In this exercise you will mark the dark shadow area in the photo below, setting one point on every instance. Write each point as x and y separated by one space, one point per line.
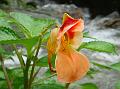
103 7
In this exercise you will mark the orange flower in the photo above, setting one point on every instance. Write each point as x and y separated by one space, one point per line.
70 64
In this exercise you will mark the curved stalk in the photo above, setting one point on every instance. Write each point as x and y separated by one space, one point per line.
5 73
26 83
19 57
34 62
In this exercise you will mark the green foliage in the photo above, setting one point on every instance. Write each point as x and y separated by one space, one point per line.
43 62
32 26
7 34
4 23
48 82
88 86
46 37
103 66
87 35
100 46
3 14
91 72
117 85
48 72
4 19
1 75
116 66
3 85
2 51
49 86
16 75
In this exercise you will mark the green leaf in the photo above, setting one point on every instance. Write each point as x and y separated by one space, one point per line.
16 74
103 66
43 62
3 85
49 86
18 83
87 35
117 85
2 51
46 37
7 34
28 43
4 19
49 83
88 86
4 23
6 54
116 66
91 72
41 24
100 46
33 26
2 13
2 76
47 73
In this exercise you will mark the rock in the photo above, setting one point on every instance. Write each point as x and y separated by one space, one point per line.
103 7
59 10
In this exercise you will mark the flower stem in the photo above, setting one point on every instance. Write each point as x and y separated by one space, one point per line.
67 85
34 75
24 66
26 73
5 73
34 63
19 57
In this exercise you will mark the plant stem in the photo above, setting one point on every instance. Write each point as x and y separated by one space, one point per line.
5 73
34 63
19 57
67 85
34 75
24 66
26 73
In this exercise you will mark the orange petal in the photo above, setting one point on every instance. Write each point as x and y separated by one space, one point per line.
73 28
77 40
52 41
78 27
75 34
51 46
67 18
71 65
68 22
